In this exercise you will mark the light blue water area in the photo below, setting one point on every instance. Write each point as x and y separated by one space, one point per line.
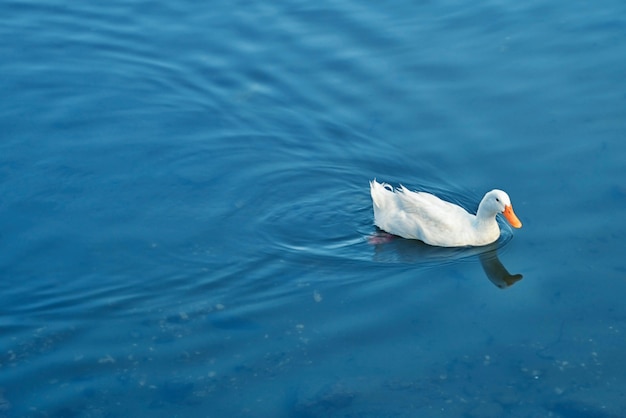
186 227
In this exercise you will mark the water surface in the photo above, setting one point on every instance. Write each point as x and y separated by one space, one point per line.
185 220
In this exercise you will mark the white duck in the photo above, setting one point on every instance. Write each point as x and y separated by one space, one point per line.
423 216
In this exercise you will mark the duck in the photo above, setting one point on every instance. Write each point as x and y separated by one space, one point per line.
434 221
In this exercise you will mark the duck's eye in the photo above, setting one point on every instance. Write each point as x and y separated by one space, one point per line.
497 200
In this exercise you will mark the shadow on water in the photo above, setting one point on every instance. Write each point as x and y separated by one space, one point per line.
495 270
392 249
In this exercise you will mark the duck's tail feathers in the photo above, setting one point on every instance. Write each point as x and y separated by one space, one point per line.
379 191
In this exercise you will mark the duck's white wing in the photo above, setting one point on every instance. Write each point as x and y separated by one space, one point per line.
423 201
430 216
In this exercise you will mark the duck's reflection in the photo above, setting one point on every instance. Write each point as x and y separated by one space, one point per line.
495 270
391 249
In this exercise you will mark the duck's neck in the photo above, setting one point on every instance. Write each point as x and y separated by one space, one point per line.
484 215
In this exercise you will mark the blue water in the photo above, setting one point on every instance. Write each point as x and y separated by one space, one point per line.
186 227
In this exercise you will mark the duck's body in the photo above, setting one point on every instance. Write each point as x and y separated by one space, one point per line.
423 216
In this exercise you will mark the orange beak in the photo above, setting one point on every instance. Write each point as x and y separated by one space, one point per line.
511 217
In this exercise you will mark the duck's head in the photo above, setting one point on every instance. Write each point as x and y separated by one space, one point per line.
497 201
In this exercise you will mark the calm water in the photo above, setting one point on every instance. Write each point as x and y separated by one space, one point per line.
185 218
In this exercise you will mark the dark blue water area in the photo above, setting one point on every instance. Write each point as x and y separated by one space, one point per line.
186 227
